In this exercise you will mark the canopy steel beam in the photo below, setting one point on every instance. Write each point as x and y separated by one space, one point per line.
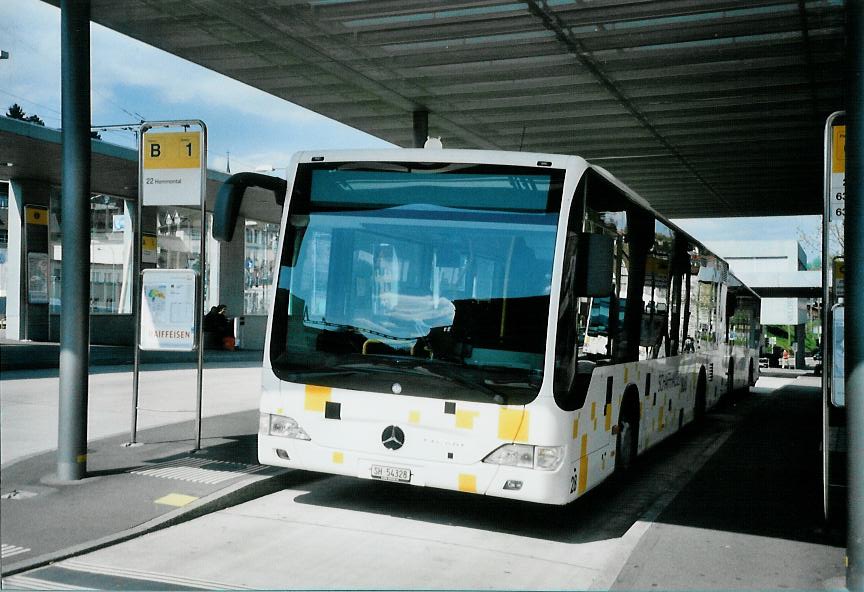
541 9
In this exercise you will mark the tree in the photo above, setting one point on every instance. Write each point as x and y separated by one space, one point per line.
16 112
812 240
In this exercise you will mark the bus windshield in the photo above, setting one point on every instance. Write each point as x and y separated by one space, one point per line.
424 280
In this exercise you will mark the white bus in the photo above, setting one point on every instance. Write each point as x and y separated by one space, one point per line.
509 324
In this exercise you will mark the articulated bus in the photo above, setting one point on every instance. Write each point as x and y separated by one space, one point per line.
509 324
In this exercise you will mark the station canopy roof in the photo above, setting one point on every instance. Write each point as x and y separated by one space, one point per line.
704 107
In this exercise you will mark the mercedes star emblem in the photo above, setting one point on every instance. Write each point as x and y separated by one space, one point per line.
393 438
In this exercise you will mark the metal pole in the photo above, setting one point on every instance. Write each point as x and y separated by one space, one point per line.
75 228
136 289
826 314
854 292
421 127
199 394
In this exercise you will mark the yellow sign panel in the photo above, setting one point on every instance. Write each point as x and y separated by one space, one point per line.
172 150
839 268
36 215
838 150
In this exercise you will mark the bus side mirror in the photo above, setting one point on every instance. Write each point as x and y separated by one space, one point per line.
595 265
230 196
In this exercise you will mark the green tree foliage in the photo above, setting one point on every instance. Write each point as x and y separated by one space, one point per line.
16 112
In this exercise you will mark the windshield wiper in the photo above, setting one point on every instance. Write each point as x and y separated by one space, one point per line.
524 384
418 368
296 375
354 329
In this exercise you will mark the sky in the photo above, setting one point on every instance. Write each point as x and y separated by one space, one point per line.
132 81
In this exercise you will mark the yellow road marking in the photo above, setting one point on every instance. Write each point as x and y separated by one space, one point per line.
176 499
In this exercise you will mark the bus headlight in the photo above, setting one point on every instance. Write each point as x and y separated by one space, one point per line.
544 458
548 458
286 427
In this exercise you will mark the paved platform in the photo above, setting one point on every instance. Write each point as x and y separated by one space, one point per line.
130 490
749 518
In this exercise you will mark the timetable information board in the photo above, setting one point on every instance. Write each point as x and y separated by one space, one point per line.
168 309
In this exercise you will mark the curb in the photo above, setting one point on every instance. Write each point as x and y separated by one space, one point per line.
245 490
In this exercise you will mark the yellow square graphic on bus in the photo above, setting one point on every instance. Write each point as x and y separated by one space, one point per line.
172 150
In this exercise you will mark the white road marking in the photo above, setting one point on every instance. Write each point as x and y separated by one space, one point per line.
23 582
191 469
7 551
94 568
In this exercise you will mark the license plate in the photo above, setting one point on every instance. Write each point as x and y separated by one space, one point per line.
391 474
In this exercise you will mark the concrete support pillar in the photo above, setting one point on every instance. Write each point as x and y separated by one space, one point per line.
15 303
75 228
421 127
27 314
800 332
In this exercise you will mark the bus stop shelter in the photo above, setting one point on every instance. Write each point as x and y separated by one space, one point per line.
705 108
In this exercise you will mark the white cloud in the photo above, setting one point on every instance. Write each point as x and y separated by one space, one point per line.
132 81
120 65
151 72
30 32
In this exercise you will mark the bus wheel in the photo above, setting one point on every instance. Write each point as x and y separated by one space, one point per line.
701 388
627 444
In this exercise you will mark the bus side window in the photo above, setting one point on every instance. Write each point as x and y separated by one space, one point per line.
567 385
679 268
654 330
